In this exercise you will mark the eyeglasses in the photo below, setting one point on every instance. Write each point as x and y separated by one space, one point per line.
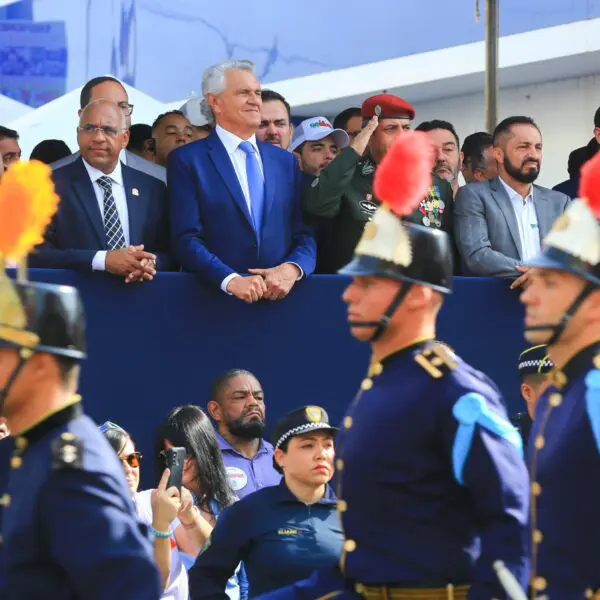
110 425
133 459
107 130
126 108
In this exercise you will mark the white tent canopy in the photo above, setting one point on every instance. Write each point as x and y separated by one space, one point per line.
58 119
11 109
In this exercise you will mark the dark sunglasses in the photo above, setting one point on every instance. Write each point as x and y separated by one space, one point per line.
133 459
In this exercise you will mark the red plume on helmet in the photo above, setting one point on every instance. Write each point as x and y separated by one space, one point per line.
403 177
589 185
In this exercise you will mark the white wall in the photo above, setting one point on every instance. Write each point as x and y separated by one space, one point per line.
564 111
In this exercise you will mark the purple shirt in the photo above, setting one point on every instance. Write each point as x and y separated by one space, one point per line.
246 475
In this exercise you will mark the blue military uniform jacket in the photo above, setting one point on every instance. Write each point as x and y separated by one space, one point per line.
69 528
564 461
279 538
433 486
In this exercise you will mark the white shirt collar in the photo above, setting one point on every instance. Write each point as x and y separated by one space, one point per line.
513 194
232 141
95 174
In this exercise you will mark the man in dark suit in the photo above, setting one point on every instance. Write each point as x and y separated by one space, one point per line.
499 224
109 88
111 217
235 202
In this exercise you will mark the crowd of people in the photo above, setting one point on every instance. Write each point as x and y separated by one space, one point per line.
434 497
228 188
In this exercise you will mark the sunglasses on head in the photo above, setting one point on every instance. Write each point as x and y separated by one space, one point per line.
133 459
107 425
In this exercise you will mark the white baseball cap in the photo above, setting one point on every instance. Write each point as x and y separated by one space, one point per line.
193 111
317 128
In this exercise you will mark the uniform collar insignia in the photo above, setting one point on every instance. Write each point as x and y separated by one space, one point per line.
55 420
582 361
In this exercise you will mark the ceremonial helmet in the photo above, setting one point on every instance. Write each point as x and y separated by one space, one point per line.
34 317
392 247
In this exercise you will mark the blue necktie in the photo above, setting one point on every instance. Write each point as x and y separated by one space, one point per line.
256 185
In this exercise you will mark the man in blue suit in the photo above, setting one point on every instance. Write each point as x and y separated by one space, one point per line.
111 217
235 203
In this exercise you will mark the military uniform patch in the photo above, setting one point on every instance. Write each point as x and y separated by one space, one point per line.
368 207
368 168
438 360
67 452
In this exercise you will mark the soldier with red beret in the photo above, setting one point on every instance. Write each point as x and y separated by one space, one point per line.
341 199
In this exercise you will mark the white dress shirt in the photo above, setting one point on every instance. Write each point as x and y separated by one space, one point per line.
527 221
118 192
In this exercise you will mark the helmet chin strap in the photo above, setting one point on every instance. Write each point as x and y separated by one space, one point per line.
13 376
559 327
381 325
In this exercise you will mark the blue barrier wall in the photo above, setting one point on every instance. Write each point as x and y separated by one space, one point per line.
156 345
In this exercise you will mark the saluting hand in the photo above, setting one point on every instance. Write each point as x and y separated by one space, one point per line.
361 141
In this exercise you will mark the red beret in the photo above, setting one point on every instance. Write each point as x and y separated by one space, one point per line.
390 107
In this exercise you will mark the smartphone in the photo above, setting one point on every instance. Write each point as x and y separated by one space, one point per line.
174 460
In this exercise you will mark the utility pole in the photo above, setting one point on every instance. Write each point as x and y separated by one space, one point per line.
492 19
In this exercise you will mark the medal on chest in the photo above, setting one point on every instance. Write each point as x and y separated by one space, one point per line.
432 208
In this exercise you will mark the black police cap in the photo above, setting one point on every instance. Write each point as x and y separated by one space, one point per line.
299 421
535 361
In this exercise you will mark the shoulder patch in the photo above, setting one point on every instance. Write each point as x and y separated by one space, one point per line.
67 452
438 360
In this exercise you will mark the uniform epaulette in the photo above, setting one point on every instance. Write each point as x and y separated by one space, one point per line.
67 452
437 359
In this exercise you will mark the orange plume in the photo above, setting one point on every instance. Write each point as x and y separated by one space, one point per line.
403 178
27 203
589 184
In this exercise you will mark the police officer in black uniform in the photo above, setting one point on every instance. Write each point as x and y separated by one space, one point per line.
432 485
562 304
534 366
341 199
68 524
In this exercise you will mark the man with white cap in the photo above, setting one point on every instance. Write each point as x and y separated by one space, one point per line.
200 125
316 143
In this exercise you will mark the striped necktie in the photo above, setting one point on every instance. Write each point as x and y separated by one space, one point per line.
112 224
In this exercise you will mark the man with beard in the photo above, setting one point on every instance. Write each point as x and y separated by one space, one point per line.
275 120
340 201
237 406
444 138
498 224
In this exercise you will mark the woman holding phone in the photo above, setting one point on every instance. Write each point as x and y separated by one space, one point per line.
204 476
281 533
168 512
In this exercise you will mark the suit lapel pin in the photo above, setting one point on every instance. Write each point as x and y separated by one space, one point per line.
135 192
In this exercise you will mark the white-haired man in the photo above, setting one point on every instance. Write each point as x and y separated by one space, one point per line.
235 202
